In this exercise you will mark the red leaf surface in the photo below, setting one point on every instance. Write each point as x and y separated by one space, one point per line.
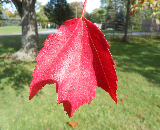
78 60
139 115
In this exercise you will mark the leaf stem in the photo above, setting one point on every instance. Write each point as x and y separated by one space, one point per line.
82 14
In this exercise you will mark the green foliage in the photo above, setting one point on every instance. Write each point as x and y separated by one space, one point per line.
101 13
58 11
9 13
40 14
76 8
16 14
136 19
111 8
119 21
87 16
0 8
154 5
13 20
0 13
4 19
97 16
8 18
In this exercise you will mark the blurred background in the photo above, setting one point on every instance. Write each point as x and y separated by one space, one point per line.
136 57
108 15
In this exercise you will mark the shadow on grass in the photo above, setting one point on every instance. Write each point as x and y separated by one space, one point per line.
15 73
9 44
140 55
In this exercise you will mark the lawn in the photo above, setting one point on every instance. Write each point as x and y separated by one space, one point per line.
129 31
18 29
113 31
13 29
138 107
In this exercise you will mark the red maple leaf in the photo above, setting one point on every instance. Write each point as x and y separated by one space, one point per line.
139 115
78 60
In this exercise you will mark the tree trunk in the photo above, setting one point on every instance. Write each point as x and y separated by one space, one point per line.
40 25
127 20
29 48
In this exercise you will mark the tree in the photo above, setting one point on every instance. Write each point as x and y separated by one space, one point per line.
16 14
111 8
95 18
136 19
136 5
4 18
58 11
87 15
76 7
29 48
110 12
119 21
0 13
9 13
127 20
40 14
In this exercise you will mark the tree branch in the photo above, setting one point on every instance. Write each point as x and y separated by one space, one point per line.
18 5
34 1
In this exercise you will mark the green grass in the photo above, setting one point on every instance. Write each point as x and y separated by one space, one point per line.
137 65
18 29
111 31
136 30
129 30
13 29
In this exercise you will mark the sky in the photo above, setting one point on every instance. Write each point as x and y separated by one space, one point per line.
91 4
